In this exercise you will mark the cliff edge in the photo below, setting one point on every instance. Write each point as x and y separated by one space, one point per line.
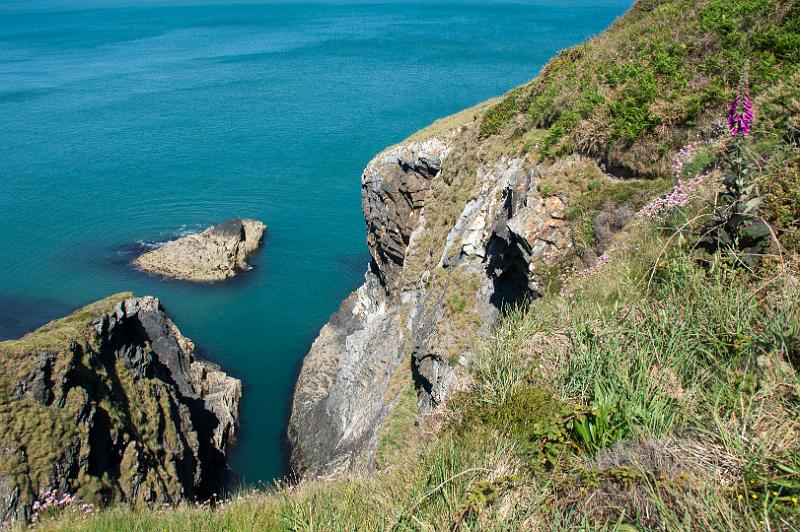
454 240
111 404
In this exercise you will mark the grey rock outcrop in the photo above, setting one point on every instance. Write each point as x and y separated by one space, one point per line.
486 259
394 187
340 394
112 404
213 255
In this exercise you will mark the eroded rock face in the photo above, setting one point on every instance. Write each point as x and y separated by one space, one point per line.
111 403
213 255
340 395
501 236
393 191
459 229
488 258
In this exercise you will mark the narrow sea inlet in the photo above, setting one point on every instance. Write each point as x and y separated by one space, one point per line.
125 124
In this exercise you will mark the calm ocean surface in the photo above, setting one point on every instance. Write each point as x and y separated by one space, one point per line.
138 121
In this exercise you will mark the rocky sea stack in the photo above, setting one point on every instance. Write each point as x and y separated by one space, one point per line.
111 404
213 255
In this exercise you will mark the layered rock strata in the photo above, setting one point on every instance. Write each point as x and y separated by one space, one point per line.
112 404
213 255
431 290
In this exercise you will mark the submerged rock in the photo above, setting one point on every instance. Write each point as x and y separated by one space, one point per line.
213 255
112 404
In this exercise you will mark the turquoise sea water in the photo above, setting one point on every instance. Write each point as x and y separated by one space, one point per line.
135 122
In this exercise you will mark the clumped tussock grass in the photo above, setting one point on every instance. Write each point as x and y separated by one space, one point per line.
662 395
655 392
680 393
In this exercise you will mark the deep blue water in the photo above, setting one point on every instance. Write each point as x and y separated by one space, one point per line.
125 122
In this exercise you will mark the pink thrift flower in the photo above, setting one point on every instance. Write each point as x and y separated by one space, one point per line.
679 196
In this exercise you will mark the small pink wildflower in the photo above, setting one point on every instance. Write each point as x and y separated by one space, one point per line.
51 500
574 274
679 196
684 156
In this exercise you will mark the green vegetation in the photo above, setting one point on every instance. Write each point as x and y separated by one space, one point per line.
655 392
615 200
632 96
783 200
497 117
394 437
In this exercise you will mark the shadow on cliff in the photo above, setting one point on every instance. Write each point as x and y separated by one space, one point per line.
507 265
508 272
131 342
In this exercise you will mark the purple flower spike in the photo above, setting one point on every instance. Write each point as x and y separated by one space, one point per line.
740 115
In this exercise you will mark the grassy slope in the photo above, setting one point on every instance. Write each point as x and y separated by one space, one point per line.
660 395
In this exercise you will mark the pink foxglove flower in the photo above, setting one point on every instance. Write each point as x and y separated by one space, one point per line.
740 115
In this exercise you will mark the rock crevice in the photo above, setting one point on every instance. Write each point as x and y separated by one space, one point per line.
487 258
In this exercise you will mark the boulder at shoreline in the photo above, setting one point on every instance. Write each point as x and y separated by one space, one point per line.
213 255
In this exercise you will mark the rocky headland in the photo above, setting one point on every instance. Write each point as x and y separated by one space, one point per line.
453 240
111 404
215 254
542 340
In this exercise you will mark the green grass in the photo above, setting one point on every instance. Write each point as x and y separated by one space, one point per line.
497 117
659 394
393 445
605 196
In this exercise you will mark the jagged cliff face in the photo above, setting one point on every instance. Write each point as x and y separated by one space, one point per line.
394 187
481 210
111 404
455 236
